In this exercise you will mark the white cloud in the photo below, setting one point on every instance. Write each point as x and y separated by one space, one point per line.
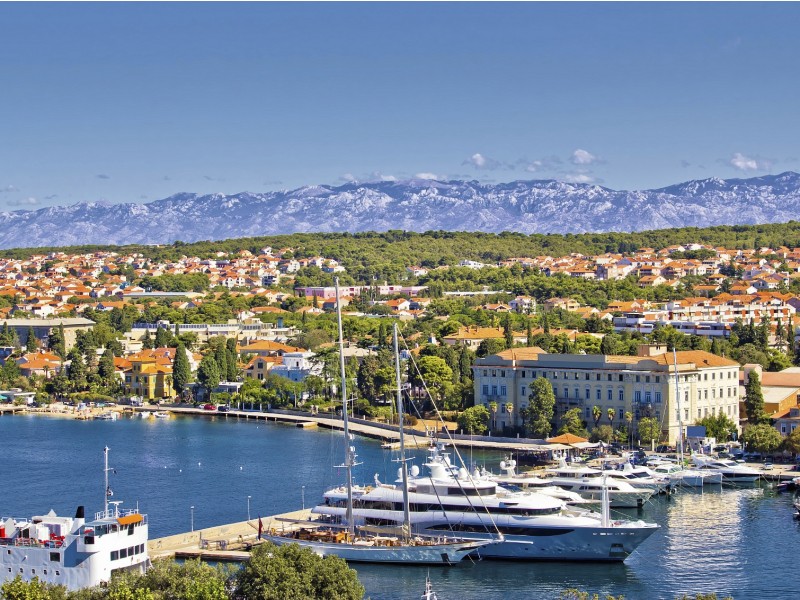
378 176
479 161
8 189
24 202
424 175
348 178
740 162
582 157
578 178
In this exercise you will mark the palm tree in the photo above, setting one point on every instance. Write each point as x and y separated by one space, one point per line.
611 413
597 414
629 421
493 408
510 410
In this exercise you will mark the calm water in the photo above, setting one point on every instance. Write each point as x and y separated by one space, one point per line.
742 542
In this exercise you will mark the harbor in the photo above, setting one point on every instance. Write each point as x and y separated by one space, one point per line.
206 473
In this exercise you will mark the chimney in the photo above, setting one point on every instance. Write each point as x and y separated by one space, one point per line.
80 519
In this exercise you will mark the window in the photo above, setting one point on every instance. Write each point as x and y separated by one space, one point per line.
522 374
637 397
486 372
494 372
638 379
699 414
620 378
587 377
598 394
588 393
705 394
658 378
55 557
522 391
713 375
647 378
622 395
598 377
555 375
485 390
610 394
658 397
494 390
609 377
647 398
502 373
115 555
588 413
502 390
577 394
566 392
621 414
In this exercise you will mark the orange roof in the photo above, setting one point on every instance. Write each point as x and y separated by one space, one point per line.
566 438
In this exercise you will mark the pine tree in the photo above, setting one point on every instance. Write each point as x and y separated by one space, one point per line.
30 341
5 336
232 360
208 373
163 337
147 341
221 358
55 341
77 370
529 336
754 400
105 368
508 334
181 371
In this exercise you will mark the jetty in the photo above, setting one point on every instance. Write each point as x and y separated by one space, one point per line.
231 542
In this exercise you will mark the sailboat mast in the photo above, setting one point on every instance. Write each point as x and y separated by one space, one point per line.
105 489
678 406
348 455
403 465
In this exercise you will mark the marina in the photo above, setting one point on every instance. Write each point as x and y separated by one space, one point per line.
196 474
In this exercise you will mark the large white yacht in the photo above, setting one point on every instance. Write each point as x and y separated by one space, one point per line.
589 483
679 475
640 476
530 482
452 502
731 471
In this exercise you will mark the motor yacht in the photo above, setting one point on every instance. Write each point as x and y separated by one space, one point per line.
729 470
589 483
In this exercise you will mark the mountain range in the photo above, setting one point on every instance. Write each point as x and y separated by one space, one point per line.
542 206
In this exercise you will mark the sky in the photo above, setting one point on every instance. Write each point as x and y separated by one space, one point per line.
133 102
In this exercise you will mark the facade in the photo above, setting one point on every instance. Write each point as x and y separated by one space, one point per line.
43 327
642 385
150 379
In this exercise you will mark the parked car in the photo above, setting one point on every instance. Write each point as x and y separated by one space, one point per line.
209 407
223 408
768 464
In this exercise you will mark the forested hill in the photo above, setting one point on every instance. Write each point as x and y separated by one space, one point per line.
400 248
544 206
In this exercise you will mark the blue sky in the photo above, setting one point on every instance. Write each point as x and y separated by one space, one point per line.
133 102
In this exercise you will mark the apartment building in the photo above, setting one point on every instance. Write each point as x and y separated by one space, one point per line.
643 385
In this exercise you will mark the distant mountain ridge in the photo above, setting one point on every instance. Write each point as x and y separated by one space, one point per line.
544 206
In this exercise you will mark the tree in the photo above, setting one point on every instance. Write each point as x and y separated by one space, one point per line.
572 423
754 400
221 358
597 414
508 334
539 413
762 438
147 341
105 368
191 580
603 433
649 430
721 427
77 370
436 374
293 573
611 413
17 589
232 360
474 420
792 442
181 371
208 373
30 341
55 341
163 337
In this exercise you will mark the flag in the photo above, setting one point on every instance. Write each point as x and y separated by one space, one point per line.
260 527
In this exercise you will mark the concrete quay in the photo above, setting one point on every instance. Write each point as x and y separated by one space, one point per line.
230 542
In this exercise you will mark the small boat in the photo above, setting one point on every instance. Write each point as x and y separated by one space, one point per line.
428 594
75 552
145 414
161 414
107 416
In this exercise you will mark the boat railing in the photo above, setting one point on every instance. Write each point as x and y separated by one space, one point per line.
115 513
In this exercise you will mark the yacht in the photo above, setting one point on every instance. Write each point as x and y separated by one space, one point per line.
679 475
529 482
729 470
72 551
640 476
450 501
393 544
589 483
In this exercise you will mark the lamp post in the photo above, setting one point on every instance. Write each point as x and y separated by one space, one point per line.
248 508
303 496
191 509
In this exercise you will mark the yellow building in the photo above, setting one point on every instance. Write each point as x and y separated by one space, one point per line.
149 378
643 385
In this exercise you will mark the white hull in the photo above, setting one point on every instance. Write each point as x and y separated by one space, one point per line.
617 498
436 554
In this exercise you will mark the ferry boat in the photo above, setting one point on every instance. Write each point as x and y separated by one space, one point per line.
72 551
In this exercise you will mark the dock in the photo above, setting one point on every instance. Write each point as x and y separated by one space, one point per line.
231 542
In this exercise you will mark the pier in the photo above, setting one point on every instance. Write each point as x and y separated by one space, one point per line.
231 542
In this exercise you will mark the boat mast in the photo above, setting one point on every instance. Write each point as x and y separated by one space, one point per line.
403 465
106 489
678 405
348 452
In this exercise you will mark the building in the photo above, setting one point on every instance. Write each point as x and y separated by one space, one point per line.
643 385
43 327
296 366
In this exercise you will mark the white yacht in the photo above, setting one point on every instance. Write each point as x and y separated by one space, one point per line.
729 470
72 551
589 483
679 475
452 502
640 476
529 482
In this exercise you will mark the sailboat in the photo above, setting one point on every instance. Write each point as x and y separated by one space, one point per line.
360 545
679 473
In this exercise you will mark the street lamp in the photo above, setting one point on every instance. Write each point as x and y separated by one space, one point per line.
191 509
248 508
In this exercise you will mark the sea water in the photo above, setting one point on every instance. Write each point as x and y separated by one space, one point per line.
741 541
